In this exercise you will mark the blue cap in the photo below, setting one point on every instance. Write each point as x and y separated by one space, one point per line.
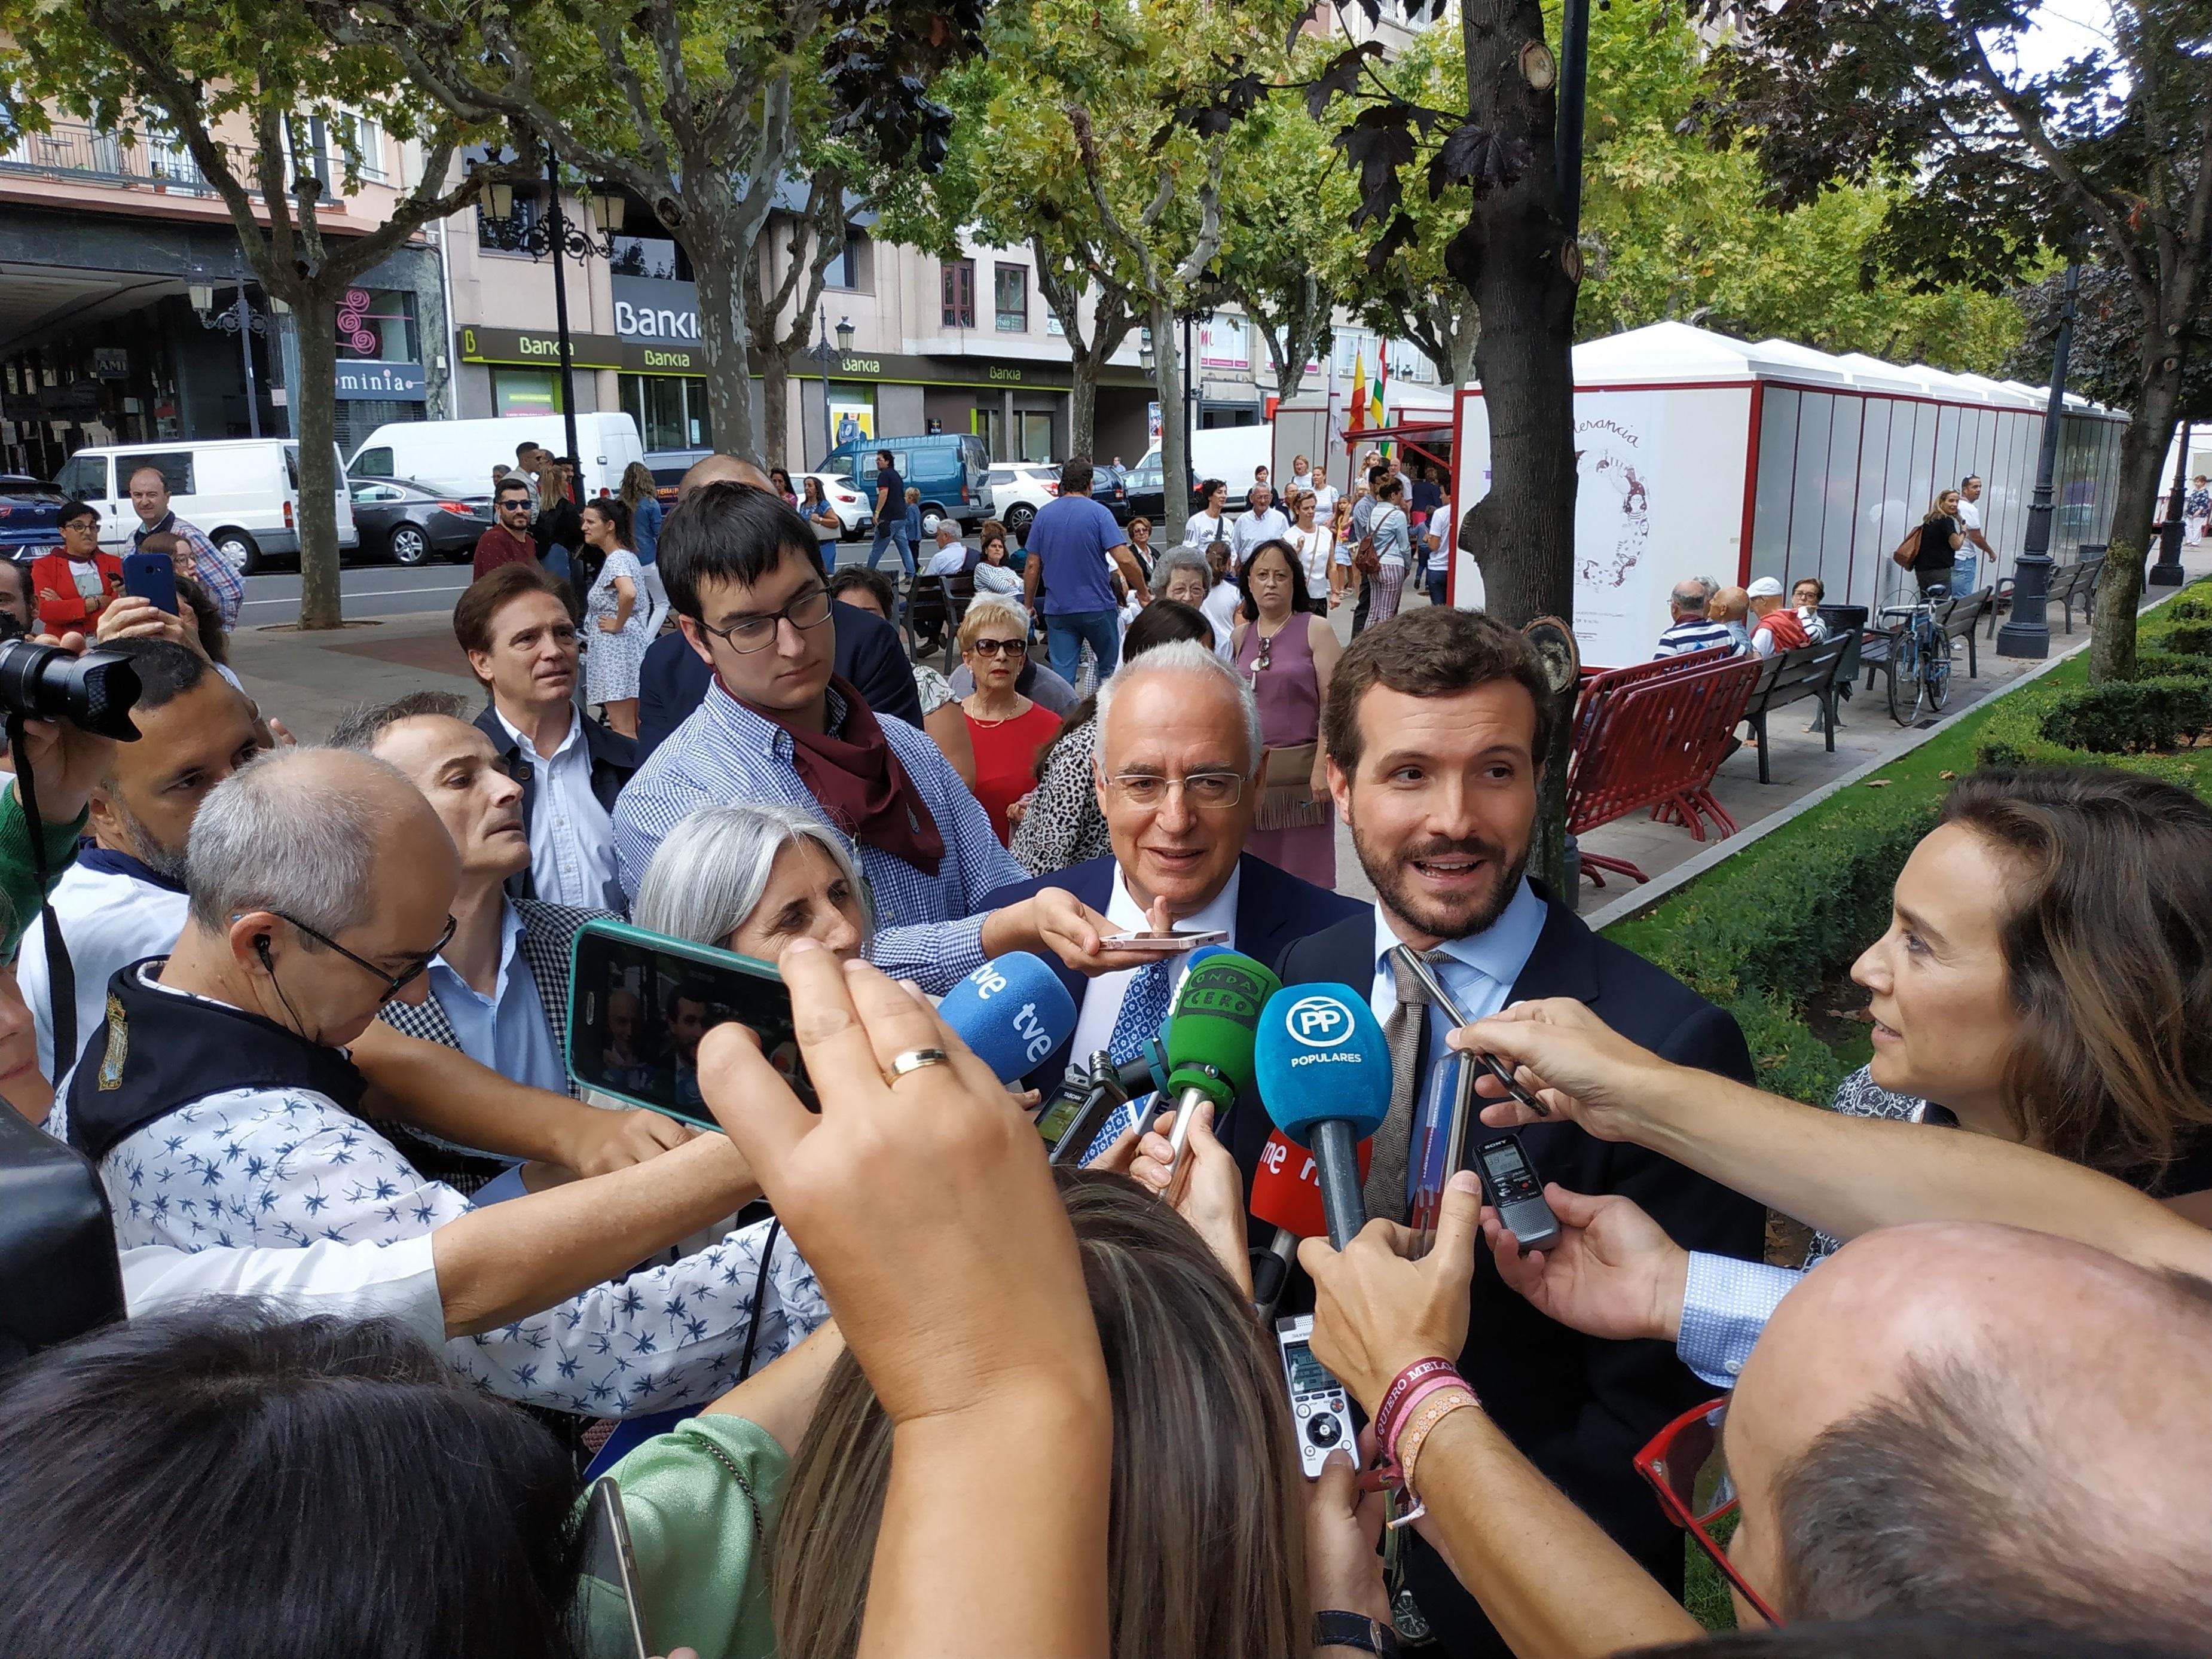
1320 1056
1014 1012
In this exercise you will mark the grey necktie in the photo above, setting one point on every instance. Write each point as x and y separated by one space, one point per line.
1385 1188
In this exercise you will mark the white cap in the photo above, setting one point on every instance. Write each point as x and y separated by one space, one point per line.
1766 588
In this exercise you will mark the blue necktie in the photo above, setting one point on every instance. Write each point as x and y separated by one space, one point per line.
1144 1006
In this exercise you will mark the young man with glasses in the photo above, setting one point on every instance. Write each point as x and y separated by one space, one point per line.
223 1112
779 725
508 541
1178 770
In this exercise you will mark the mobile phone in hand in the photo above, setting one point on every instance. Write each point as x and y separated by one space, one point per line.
151 577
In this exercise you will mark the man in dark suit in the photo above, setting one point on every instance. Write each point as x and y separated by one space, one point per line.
1433 722
520 641
1177 732
673 679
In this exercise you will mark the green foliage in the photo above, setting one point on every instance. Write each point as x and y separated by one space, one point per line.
2106 360
2127 717
2191 639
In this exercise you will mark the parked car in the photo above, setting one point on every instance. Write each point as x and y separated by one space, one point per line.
408 522
30 513
948 468
856 513
457 456
1018 489
1109 487
1145 496
668 467
243 492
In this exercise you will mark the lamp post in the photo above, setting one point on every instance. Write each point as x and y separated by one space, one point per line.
2167 572
553 235
844 344
2027 632
239 318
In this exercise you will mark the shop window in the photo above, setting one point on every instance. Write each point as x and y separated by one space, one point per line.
524 391
960 294
379 323
655 257
1010 293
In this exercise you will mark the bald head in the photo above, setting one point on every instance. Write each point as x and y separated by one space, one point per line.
1729 604
1982 1421
722 469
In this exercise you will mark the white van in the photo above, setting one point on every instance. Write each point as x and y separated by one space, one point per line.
242 493
457 456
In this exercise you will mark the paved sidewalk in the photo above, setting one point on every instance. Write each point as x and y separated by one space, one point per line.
306 680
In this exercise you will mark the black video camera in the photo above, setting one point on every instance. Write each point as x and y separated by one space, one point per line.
93 692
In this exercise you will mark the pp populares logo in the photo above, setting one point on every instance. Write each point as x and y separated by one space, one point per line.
1318 1021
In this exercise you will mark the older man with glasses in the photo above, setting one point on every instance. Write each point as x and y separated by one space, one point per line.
1177 771
224 1113
778 724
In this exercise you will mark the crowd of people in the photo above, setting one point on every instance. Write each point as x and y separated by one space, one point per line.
888 1382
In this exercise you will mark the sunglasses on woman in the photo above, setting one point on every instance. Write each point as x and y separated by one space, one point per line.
996 647
1685 1466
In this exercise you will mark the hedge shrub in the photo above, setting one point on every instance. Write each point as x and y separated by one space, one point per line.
2192 639
2126 717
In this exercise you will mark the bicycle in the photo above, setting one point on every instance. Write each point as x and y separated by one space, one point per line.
1920 658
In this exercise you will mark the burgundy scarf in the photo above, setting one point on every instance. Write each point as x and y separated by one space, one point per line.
861 784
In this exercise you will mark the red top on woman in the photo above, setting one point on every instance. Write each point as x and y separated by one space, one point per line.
1005 760
60 601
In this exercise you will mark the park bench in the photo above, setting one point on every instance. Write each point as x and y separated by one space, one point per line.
934 606
1967 611
2071 585
1788 676
1653 735
1956 617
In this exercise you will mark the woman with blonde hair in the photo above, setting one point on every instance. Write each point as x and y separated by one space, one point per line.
1006 729
1939 540
641 493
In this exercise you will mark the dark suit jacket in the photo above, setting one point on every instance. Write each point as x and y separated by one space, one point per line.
1579 1407
1274 910
673 681
614 758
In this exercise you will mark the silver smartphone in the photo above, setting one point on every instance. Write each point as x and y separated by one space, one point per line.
614 1611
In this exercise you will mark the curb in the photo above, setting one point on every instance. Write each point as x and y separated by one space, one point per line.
1663 887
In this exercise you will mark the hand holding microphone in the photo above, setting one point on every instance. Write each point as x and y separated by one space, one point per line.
1376 1310
1207 1189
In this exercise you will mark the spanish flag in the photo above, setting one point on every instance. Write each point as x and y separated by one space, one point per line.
1381 381
1358 410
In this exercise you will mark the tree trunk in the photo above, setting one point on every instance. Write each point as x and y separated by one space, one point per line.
1083 400
775 410
1167 383
2142 461
718 265
1510 258
314 312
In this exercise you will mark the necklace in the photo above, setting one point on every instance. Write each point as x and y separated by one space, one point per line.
1268 641
987 721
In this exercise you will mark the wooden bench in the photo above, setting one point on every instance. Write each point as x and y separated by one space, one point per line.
1956 617
2071 585
1788 676
1959 622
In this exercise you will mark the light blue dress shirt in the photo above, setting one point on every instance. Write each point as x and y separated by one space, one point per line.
1725 1306
1479 971
506 1030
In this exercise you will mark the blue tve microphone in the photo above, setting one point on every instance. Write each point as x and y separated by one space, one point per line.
1014 1012
1324 1073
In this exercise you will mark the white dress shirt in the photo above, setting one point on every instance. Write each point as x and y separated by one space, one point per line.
1101 1001
506 1031
948 560
572 842
1256 527
109 921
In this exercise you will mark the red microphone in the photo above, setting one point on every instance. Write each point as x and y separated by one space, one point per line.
1286 1191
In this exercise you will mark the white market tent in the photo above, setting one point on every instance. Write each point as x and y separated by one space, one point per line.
1700 455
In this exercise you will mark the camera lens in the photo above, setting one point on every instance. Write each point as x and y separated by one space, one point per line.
93 692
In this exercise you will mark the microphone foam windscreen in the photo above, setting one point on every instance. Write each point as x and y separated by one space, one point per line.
1216 1013
1014 1012
1286 1187
1321 1056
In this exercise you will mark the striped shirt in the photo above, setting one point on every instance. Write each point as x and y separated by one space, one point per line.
1693 633
927 926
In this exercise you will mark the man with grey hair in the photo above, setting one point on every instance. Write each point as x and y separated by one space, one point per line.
223 1110
1690 630
1177 771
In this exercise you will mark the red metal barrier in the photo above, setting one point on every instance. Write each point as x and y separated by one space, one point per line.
1653 736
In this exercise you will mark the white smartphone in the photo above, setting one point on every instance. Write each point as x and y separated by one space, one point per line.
1163 943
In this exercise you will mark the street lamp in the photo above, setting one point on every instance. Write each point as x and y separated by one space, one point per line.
2027 632
555 235
844 344
2167 572
239 318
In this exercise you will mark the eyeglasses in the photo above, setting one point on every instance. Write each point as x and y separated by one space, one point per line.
995 648
1205 791
1685 1467
750 634
393 983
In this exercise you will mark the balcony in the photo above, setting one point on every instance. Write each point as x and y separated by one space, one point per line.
73 150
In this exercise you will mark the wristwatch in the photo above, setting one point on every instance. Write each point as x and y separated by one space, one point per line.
1355 1630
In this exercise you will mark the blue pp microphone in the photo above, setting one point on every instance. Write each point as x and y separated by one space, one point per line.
1014 1012
1324 1074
